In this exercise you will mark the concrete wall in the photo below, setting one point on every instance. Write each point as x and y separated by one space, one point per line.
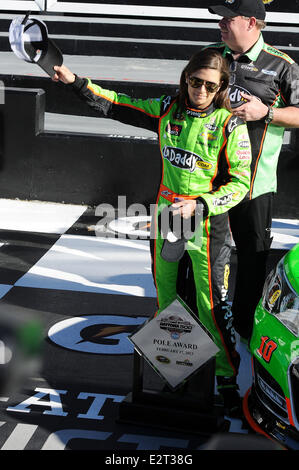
71 168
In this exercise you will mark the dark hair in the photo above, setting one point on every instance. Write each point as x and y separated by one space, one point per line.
211 59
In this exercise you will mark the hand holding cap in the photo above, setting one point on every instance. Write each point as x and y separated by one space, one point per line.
29 40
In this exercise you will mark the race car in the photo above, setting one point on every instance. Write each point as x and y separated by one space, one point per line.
271 405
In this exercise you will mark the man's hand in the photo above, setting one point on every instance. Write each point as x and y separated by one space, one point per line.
252 110
63 74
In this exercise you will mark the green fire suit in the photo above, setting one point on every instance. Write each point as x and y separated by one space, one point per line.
205 156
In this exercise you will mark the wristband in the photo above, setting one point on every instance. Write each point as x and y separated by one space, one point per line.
269 116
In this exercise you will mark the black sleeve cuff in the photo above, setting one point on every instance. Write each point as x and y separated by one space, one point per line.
201 201
79 83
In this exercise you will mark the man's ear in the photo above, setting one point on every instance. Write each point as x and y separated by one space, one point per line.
251 23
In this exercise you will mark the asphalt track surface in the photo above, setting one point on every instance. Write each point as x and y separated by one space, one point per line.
57 265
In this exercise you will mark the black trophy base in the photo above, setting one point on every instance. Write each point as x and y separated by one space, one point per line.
171 417
192 408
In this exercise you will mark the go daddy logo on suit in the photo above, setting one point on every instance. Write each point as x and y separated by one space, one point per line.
96 334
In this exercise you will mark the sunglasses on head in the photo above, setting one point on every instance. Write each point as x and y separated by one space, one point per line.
195 82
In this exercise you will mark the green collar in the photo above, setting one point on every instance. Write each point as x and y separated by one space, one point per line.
254 52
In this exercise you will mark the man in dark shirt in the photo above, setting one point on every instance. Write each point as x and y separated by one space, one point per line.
264 91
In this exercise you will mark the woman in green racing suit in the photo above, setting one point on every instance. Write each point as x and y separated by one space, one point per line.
206 157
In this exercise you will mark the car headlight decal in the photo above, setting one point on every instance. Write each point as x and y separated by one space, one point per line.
280 299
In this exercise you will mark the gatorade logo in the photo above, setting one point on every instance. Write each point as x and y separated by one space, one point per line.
96 334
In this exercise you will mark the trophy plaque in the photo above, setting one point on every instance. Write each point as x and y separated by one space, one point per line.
174 343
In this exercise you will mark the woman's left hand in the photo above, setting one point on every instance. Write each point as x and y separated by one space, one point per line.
184 207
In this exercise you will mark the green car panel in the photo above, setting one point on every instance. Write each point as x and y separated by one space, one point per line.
274 347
